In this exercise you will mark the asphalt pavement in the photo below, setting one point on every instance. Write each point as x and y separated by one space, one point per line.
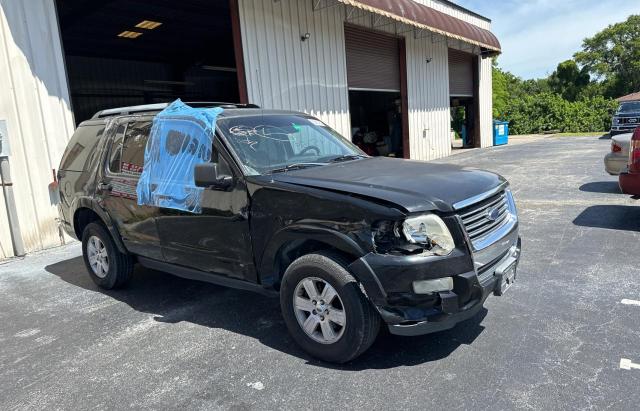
563 337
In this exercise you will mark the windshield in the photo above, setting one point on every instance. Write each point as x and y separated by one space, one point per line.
279 143
629 107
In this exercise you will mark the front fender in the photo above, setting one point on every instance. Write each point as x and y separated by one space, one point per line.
333 239
289 234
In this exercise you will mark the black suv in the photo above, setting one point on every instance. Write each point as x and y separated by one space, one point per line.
290 207
626 118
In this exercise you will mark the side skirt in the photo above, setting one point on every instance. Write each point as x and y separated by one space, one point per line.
197 275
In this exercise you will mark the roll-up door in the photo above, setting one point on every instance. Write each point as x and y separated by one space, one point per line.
460 73
373 60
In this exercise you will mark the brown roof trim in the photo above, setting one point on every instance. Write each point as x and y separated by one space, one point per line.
629 97
424 17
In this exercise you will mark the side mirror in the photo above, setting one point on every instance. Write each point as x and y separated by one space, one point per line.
207 176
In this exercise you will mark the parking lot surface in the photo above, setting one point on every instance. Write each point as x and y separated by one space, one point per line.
554 341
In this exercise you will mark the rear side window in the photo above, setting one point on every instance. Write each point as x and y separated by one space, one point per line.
127 154
81 148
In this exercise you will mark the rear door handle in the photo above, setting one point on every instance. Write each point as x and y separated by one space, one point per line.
105 187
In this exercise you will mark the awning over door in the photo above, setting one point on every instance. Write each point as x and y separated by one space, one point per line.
460 74
424 17
373 60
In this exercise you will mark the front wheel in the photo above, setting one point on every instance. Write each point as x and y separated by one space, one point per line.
324 309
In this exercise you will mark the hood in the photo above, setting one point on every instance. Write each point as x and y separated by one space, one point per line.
412 185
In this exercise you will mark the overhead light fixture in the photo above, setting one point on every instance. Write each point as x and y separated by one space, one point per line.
148 24
130 34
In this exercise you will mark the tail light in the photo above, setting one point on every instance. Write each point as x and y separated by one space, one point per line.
634 152
615 148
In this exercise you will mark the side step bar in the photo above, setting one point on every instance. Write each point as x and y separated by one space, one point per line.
191 274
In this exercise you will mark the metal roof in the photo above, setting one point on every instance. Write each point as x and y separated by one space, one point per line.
629 97
424 17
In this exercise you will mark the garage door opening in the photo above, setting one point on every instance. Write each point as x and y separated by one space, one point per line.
463 99
377 92
376 122
463 121
129 52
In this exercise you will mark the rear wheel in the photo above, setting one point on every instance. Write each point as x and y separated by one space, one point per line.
107 266
324 309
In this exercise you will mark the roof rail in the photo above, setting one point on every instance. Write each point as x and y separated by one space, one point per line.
121 111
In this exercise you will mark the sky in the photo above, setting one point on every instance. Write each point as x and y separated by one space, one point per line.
536 35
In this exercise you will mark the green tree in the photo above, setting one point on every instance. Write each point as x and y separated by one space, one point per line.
613 57
569 80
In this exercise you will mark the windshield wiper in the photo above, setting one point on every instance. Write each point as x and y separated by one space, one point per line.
348 157
296 166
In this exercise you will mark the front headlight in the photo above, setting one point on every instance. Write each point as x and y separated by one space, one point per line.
429 231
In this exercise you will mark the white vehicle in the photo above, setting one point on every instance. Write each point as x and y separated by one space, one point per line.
616 161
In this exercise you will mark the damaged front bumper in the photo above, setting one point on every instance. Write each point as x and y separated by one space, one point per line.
387 282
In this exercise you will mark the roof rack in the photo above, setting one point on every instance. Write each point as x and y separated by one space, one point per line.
121 111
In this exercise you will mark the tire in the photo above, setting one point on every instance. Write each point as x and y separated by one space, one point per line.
119 266
361 321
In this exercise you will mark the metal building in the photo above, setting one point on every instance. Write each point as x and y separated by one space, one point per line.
386 70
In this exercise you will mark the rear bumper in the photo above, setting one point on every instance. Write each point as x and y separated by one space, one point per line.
615 164
630 183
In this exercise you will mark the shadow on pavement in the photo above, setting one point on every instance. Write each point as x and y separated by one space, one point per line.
172 300
605 137
606 187
613 217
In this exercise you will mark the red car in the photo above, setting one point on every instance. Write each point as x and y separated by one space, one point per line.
630 180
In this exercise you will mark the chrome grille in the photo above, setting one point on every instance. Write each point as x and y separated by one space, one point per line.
477 220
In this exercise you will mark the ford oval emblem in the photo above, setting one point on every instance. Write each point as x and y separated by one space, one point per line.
493 214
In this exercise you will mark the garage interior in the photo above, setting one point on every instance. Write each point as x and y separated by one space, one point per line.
374 77
463 99
129 52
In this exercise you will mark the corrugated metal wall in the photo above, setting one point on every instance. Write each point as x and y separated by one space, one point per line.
486 102
35 103
428 92
286 73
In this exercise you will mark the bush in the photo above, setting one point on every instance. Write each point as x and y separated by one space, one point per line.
547 111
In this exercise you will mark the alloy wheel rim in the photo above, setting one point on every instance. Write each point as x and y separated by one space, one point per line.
319 310
98 258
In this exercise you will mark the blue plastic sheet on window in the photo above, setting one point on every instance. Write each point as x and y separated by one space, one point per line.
180 138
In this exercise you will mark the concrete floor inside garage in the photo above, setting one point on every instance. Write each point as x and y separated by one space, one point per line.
555 340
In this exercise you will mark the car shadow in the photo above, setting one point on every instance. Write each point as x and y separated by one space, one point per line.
605 137
606 187
613 217
172 300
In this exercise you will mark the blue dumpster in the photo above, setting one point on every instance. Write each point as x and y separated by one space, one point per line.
500 132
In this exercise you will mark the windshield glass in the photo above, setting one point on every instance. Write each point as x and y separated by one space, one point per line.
629 107
279 143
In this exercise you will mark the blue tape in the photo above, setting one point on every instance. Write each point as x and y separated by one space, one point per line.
181 137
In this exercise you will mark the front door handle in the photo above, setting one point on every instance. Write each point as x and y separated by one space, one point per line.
105 187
